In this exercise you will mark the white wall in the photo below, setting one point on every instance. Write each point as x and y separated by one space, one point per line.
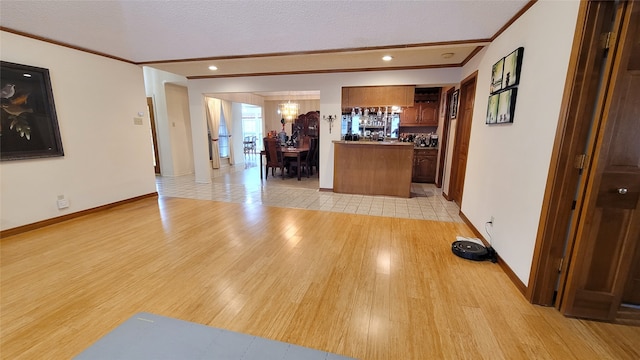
237 139
272 119
107 158
330 87
179 128
508 164
155 81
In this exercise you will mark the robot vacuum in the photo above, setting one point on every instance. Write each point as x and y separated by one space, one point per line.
472 250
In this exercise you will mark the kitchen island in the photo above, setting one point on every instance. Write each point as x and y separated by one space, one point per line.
373 168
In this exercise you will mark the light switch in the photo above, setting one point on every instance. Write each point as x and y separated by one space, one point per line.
63 203
137 121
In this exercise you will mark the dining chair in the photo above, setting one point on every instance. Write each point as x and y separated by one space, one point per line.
249 143
275 159
306 163
314 150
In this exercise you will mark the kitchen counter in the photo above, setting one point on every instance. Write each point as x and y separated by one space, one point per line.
373 167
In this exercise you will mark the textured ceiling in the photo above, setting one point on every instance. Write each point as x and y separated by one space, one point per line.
161 31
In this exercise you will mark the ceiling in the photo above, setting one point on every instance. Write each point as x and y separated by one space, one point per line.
253 38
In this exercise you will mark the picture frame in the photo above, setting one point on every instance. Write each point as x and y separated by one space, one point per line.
497 70
27 113
506 106
453 110
511 68
492 109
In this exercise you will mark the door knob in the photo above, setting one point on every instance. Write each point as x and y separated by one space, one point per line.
623 191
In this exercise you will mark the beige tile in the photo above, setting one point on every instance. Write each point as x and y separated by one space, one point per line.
243 185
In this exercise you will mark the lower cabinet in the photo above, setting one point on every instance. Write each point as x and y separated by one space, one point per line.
424 165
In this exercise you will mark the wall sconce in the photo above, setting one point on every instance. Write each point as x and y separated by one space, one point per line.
330 119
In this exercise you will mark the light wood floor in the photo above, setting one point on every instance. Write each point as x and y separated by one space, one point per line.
363 286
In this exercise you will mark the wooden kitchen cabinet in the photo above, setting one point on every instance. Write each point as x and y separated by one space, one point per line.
424 111
377 96
420 115
409 116
424 165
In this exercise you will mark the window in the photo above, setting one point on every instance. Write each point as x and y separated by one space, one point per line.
252 123
223 142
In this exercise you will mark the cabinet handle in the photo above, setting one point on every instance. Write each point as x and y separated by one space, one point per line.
623 191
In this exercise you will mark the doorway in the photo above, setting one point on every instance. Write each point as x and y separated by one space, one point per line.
444 137
252 128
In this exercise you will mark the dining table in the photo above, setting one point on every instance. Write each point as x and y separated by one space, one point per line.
288 152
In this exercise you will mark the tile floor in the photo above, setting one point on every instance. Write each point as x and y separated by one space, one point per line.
242 184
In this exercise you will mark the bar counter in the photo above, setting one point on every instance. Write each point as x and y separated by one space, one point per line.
373 168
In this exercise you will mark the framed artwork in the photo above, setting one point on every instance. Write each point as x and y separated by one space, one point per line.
512 66
28 115
505 77
492 109
506 106
453 111
496 76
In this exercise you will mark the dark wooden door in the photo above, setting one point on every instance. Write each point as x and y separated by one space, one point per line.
608 232
154 136
461 144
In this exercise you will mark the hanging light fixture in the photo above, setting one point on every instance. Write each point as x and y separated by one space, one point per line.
289 110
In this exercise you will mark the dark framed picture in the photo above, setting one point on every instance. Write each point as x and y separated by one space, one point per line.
512 66
28 115
453 111
496 76
492 109
506 106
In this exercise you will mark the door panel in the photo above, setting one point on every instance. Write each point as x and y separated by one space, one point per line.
463 134
631 293
609 229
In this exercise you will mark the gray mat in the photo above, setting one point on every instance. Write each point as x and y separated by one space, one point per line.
148 336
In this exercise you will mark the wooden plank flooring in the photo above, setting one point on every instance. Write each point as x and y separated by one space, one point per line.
362 286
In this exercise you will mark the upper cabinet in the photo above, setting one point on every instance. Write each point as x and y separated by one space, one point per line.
376 96
424 110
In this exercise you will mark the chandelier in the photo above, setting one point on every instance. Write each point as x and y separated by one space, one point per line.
289 110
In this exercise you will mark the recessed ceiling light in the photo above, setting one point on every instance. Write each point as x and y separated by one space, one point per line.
387 58
213 67
447 55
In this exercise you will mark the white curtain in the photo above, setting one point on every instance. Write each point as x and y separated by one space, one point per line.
213 118
228 121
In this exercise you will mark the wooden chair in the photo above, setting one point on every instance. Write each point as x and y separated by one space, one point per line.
314 161
306 164
275 159
249 144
